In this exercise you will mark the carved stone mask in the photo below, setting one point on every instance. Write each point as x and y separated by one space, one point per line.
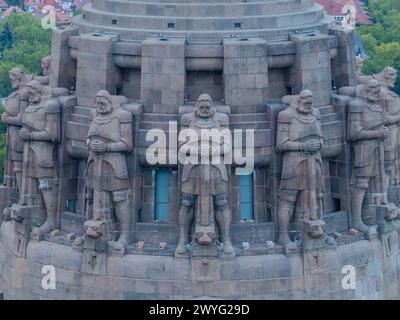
392 213
94 229
15 215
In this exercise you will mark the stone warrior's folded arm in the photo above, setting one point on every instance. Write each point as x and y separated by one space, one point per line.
283 142
125 145
356 130
389 120
51 131
11 120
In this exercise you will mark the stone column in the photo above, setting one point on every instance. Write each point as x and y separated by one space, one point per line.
312 68
245 74
163 75
344 64
63 67
96 69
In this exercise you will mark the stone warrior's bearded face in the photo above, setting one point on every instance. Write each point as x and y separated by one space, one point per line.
204 108
103 104
305 102
390 77
373 90
16 76
46 66
34 92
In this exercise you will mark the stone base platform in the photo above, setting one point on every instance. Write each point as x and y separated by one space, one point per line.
310 275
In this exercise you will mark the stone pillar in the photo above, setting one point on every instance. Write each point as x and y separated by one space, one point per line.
245 74
344 64
312 68
163 75
96 69
63 67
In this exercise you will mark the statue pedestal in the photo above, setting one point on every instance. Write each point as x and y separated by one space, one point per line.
388 235
204 250
313 235
7 196
21 215
394 194
94 256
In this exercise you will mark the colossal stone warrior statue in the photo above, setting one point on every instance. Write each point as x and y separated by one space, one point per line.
390 103
300 139
109 141
366 133
44 78
15 104
41 134
361 78
205 183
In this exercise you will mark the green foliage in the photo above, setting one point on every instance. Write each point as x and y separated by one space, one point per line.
3 139
30 43
18 3
382 40
77 12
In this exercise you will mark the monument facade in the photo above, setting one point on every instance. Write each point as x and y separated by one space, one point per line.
197 149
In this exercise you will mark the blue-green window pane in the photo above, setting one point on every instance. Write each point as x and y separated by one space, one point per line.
162 194
71 205
246 197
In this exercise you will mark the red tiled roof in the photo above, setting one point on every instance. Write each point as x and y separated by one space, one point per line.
334 8
62 17
30 3
11 10
3 4
80 3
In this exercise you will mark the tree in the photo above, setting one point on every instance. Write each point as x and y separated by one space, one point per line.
382 40
25 44
30 43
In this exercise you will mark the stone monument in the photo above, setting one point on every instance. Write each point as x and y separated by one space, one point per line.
302 184
205 182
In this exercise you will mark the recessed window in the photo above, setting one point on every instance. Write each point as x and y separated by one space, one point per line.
238 25
171 25
246 198
84 16
162 194
71 205
114 21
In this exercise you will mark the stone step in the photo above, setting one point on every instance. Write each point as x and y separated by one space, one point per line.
158 117
77 118
250 125
327 109
208 36
249 22
249 117
84 111
203 8
330 117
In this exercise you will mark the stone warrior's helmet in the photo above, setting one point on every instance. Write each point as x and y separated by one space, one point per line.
204 98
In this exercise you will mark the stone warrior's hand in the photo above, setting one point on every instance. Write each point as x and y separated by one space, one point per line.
98 146
4 117
384 133
312 146
24 134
